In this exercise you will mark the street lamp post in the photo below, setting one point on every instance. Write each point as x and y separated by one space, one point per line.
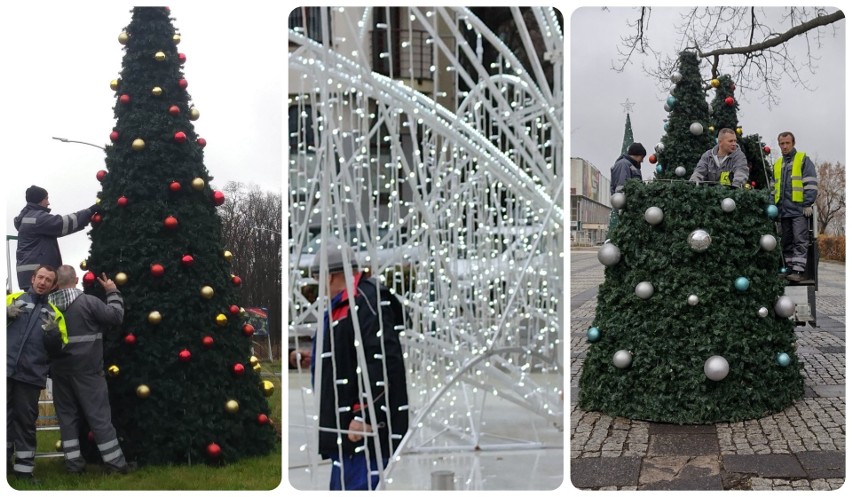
66 140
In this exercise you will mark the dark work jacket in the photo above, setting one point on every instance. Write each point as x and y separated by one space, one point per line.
625 168
26 357
390 394
86 317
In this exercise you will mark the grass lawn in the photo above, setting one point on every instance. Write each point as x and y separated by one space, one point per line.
256 473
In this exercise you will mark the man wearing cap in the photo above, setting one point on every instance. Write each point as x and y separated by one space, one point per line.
362 323
627 166
725 163
38 231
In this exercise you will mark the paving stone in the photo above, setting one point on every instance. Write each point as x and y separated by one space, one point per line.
596 472
682 444
823 464
769 465
680 473
659 428
830 391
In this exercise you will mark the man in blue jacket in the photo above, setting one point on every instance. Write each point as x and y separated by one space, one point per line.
38 231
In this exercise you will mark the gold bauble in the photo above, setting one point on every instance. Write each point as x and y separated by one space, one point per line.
198 184
242 311
113 85
232 406
83 265
154 317
123 37
194 114
176 38
159 56
267 387
156 91
256 368
221 320
120 278
739 131
207 292
138 144
113 370
58 445
714 83
711 128
227 255
97 200
142 391
253 360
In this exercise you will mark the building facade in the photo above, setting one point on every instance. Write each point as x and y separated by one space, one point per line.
590 205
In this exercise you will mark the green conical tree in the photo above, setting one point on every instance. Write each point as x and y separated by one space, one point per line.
666 308
628 136
181 383
688 105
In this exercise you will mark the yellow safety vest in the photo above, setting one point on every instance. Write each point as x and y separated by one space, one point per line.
795 178
60 318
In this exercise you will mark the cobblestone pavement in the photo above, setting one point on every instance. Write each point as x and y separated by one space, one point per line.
800 448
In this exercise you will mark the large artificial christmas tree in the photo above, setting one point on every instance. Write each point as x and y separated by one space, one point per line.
628 135
691 323
183 387
687 127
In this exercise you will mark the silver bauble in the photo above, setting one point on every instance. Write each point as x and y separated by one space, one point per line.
659 147
699 240
609 254
622 359
672 89
644 290
680 171
696 129
692 300
675 77
728 205
654 215
768 242
716 368
763 312
667 107
618 200
785 307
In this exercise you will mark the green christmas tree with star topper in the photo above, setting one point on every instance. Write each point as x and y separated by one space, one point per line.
182 386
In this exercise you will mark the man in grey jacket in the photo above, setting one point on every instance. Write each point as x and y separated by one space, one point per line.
79 386
725 163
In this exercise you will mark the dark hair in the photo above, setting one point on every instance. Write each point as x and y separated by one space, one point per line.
787 133
48 267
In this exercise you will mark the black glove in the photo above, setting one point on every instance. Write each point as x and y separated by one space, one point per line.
96 208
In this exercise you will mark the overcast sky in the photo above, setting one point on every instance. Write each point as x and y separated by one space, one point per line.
596 93
57 64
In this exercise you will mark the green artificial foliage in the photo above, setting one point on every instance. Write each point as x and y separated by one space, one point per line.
628 136
681 147
670 339
185 410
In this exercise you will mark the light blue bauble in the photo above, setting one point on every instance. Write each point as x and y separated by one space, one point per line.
666 127
593 334
782 359
671 101
741 284
771 211
783 270
659 168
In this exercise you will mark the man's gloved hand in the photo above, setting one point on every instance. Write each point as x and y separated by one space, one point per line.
13 310
48 324
809 211
96 208
695 181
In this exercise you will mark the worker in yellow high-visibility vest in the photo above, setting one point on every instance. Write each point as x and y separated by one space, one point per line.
795 184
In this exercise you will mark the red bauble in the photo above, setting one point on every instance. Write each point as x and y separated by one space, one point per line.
207 342
174 110
729 101
96 218
754 184
214 451
236 281
174 186
121 202
180 137
766 149
157 270
201 142
89 278
130 339
101 175
113 137
170 223
181 58
187 260
182 84
238 369
652 159
184 355
235 309
125 99
248 330
733 87
218 198
262 419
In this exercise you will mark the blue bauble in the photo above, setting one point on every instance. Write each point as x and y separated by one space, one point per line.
783 270
593 334
782 359
659 168
771 211
741 284
671 101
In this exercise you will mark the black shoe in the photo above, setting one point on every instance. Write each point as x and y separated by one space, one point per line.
127 468
28 477
795 276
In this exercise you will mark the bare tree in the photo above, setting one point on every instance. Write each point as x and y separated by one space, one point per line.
251 228
831 199
744 42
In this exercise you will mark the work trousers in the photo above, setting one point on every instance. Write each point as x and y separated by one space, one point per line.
355 472
84 395
21 415
794 242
